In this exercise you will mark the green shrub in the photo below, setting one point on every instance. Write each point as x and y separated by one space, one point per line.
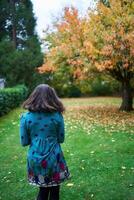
11 98
74 91
67 90
100 87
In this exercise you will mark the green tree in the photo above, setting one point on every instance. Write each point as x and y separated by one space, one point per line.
17 21
19 44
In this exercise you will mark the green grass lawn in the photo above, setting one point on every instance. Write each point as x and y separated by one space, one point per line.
99 150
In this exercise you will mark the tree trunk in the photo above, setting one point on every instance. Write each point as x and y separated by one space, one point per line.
127 97
13 10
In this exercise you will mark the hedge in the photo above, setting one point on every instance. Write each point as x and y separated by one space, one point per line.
11 98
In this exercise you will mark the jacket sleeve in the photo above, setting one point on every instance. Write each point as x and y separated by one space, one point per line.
24 133
61 129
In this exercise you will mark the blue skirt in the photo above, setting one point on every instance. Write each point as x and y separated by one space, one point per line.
47 168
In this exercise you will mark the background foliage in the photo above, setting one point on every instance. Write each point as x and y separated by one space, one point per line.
20 51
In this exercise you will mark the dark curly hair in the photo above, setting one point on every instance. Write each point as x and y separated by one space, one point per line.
43 99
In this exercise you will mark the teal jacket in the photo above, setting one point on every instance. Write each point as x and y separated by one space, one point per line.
44 132
40 125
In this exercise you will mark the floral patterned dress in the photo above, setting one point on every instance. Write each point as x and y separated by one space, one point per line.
43 132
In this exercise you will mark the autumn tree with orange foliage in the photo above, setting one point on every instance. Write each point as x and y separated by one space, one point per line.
112 34
65 44
103 41
67 49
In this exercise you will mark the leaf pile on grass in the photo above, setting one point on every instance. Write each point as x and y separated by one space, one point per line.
103 115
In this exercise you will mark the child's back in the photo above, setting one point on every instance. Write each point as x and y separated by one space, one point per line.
43 132
42 128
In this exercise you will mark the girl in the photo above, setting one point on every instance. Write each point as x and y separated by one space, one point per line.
43 129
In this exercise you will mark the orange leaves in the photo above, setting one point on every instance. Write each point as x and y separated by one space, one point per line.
102 40
79 74
65 49
47 67
71 16
104 9
114 37
77 62
63 27
66 43
93 111
89 48
104 65
70 20
107 50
